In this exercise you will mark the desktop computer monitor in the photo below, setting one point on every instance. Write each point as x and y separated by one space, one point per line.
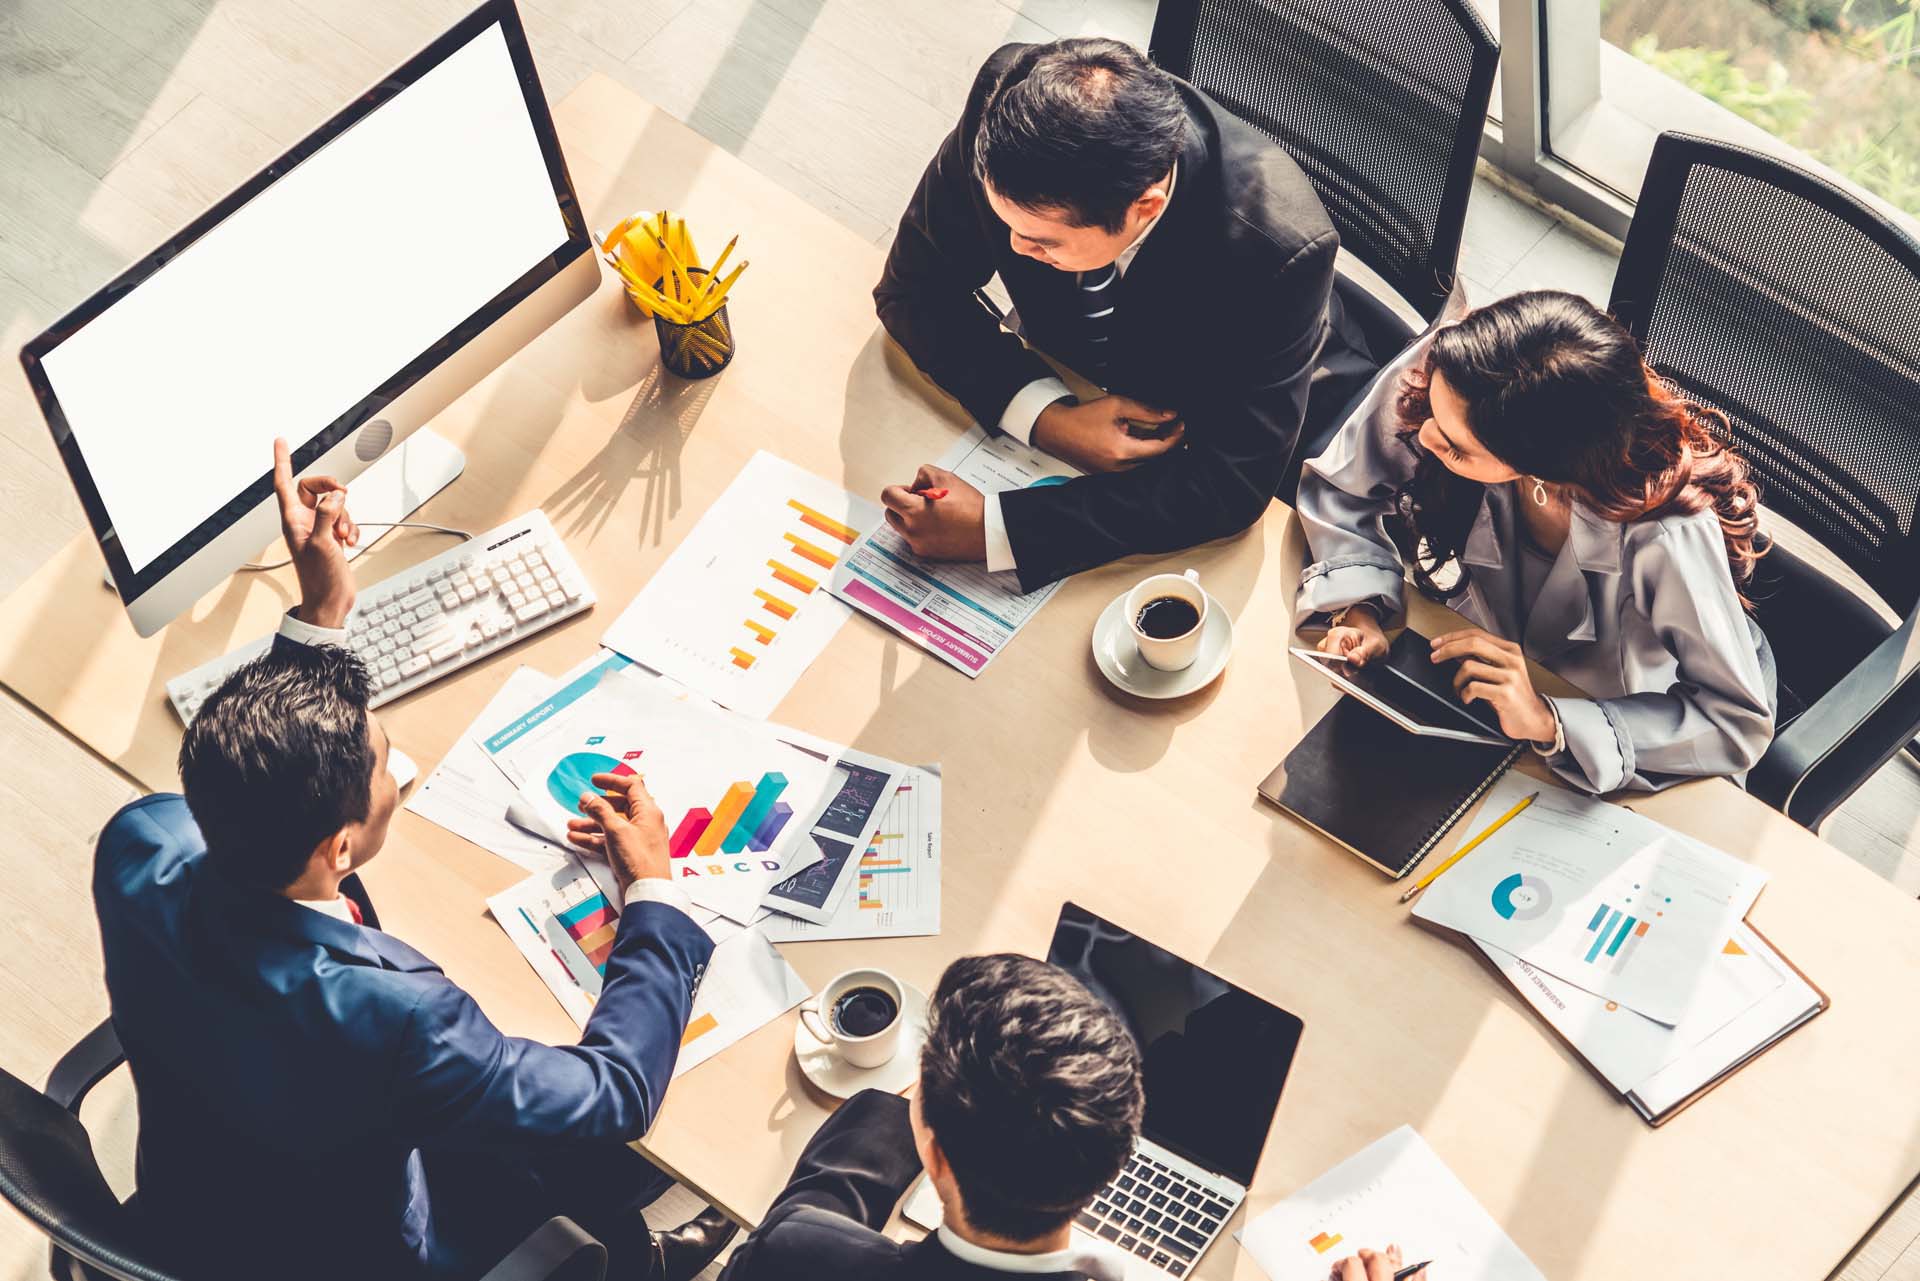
339 298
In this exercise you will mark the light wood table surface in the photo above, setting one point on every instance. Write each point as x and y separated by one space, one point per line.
1057 787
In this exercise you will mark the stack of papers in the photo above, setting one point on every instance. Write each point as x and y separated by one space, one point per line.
1396 1192
1629 939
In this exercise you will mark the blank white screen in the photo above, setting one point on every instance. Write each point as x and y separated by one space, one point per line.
312 294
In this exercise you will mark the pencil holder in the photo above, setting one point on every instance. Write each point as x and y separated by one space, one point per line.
697 350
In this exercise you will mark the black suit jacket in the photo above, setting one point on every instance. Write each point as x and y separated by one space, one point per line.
826 1224
1226 315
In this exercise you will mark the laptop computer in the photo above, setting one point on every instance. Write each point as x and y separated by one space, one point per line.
1215 1058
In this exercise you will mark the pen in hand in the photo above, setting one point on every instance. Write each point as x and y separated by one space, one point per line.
1405 1273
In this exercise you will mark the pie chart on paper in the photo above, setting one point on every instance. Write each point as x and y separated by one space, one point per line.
574 775
1522 898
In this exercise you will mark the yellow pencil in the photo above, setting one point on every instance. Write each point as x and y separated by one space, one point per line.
713 273
1467 849
711 301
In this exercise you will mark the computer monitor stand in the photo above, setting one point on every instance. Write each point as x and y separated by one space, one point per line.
393 487
399 482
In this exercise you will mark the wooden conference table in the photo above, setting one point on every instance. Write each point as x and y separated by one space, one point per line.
1057 787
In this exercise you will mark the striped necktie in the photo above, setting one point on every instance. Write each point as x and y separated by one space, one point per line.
1098 290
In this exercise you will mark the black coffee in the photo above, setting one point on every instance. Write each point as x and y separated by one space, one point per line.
1165 617
862 1011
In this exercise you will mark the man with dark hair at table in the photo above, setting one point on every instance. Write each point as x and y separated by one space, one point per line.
1029 1101
1158 246
317 1099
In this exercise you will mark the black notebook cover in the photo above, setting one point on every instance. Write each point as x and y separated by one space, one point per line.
1387 795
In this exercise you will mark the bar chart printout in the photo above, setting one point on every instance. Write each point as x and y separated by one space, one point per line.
737 612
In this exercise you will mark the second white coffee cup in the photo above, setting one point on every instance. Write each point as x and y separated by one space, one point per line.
1175 652
865 1030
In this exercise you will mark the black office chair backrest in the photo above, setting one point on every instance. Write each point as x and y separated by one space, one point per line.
1382 105
1769 293
48 1173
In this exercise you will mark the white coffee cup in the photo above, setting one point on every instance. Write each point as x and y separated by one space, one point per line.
1173 653
868 1051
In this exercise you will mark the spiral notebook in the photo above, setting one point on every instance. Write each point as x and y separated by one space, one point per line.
1386 795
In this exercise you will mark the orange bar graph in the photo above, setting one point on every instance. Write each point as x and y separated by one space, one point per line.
699 1028
741 658
774 605
724 816
761 632
824 523
791 577
812 551
1322 1243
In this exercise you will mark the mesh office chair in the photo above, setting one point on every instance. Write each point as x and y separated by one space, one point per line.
1770 294
1382 105
48 1173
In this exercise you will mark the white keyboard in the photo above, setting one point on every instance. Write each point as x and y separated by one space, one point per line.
442 614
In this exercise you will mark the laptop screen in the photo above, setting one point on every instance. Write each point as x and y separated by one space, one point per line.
1215 1056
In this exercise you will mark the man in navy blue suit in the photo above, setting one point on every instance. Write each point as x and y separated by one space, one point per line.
317 1099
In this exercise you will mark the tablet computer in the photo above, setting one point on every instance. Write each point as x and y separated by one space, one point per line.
1411 690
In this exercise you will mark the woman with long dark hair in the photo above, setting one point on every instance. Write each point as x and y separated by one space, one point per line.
1530 470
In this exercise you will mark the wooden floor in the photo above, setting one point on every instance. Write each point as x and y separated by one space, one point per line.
120 120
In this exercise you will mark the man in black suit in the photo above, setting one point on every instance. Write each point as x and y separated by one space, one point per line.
1029 1102
1153 243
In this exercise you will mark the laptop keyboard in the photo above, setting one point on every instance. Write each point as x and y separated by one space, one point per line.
1157 1213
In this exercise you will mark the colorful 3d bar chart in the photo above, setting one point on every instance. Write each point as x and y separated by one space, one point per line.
748 825
792 577
680 844
592 924
1323 1242
725 814
811 551
741 658
769 831
761 632
824 523
774 605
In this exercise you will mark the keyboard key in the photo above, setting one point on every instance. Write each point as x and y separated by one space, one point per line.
1151 1234
1109 1232
1134 1225
1193 1198
1126 1184
1191 1216
1152 1216
1086 1220
1101 1207
1136 1207
1128 1242
532 609
1160 1180
1180 1248
1191 1237
1177 1268
1161 1259
1209 1226
446 650
1218 1209
1158 1198
466 593
1144 1250
414 666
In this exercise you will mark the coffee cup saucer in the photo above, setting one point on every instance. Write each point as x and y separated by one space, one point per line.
1120 662
833 1075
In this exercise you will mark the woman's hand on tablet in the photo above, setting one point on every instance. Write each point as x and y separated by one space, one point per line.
1357 638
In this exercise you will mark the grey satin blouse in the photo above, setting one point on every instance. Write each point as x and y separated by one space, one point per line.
1642 616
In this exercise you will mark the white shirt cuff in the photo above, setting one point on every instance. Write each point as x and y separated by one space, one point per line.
1559 743
656 890
999 546
295 629
1023 411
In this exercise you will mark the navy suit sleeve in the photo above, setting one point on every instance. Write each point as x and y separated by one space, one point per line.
857 1166
461 1082
1241 431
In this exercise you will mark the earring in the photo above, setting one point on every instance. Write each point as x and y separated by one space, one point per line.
1539 493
